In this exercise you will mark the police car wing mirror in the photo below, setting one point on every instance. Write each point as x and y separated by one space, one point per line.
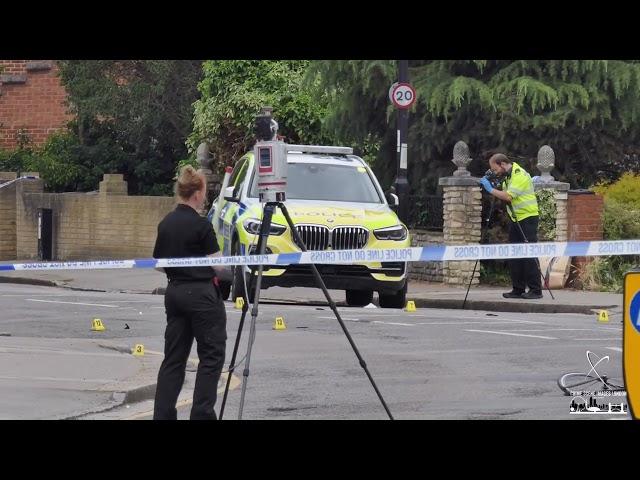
228 195
392 200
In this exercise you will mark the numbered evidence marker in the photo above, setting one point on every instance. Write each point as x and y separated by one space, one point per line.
138 350
603 316
631 340
97 325
411 306
279 324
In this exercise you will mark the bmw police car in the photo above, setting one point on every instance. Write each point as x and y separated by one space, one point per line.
336 203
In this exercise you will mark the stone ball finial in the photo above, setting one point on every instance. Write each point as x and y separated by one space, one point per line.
461 159
203 155
546 162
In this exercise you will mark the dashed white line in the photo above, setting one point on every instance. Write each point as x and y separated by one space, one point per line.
512 334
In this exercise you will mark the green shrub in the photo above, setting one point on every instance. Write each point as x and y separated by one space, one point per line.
621 220
626 190
607 273
548 212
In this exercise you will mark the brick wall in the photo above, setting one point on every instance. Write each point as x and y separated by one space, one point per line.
584 223
86 226
31 100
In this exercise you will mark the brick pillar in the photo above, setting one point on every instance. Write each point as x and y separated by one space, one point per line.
7 219
584 212
462 212
27 217
561 216
113 184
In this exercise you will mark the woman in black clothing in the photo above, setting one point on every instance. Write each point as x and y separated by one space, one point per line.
193 304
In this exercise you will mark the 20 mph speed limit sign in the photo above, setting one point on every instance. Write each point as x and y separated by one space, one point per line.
403 95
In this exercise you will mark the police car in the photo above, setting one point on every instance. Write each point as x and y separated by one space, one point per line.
336 203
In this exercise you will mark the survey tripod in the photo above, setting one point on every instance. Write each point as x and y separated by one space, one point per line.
265 226
524 238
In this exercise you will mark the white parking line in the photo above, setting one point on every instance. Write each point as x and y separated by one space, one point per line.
72 303
513 334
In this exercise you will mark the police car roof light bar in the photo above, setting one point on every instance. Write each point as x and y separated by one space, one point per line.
320 149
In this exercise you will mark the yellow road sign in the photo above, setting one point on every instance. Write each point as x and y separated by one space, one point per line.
631 340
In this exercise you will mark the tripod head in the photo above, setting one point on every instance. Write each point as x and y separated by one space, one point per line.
270 156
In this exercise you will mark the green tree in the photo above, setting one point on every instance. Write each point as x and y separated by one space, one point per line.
233 92
132 117
587 110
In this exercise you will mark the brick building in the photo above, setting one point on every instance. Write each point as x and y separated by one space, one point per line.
32 101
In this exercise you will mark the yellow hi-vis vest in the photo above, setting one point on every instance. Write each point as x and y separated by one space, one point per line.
519 186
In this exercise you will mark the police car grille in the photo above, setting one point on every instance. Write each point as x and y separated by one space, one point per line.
349 238
315 237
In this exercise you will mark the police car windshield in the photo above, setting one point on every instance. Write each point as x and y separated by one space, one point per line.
338 183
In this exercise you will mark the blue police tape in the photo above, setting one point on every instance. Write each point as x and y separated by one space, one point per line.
436 253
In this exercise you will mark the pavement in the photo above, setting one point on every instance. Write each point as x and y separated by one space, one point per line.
104 373
424 294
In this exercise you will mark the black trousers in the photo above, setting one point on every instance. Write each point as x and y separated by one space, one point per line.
194 310
524 271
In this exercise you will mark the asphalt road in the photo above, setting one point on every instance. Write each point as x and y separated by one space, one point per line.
430 364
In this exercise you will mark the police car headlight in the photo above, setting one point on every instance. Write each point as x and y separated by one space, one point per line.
252 226
397 232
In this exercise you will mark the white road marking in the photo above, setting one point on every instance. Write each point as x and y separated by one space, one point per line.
394 323
25 350
589 339
59 379
513 334
37 295
73 303
615 349
556 330
490 322
349 319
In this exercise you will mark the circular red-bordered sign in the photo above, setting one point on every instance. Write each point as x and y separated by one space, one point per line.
403 95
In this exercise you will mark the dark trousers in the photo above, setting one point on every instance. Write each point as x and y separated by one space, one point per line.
194 310
524 271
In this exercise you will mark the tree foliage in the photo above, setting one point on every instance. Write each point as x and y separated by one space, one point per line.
587 110
132 117
233 92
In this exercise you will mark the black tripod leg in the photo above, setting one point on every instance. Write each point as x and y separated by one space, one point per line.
232 364
487 224
322 285
264 235
245 309
469 287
